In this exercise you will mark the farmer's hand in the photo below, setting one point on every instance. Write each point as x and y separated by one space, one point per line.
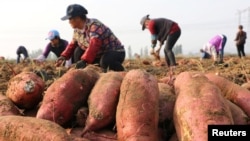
81 64
152 52
60 61
158 49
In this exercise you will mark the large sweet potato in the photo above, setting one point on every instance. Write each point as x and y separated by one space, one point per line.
103 101
25 90
137 114
7 107
66 95
199 103
233 92
19 128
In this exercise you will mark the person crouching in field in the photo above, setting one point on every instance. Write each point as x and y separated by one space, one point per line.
56 45
21 50
213 48
93 42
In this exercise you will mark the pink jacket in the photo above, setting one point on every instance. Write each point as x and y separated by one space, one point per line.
216 41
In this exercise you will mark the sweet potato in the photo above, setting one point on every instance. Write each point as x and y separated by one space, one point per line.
25 90
19 128
239 117
233 92
199 103
66 95
167 99
103 100
137 114
7 107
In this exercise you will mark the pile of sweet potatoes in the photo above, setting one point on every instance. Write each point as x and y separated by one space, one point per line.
85 104
66 95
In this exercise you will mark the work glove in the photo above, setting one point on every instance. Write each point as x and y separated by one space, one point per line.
158 49
81 64
152 52
60 60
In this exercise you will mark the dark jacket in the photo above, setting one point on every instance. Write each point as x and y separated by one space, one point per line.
21 50
241 38
162 28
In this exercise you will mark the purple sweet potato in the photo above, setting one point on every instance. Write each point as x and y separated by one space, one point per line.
137 114
25 90
233 92
66 95
19 128
239 116
167 99
7 107
199 103
103 100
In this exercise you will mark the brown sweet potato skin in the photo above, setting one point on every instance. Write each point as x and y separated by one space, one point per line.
19 128
25 90
66 95
233 92
7 107
199 103
103 100
137 114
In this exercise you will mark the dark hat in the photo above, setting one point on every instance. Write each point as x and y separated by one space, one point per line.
74 10
143 21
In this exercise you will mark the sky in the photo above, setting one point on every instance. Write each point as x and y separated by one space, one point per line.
27 22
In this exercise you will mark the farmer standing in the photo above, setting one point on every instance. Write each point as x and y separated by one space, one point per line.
240 39
214 47
56 45
163 29
92 43
21 50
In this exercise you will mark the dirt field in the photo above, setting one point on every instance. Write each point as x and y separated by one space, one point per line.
234 69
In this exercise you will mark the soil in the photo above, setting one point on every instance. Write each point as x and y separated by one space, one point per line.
235 69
